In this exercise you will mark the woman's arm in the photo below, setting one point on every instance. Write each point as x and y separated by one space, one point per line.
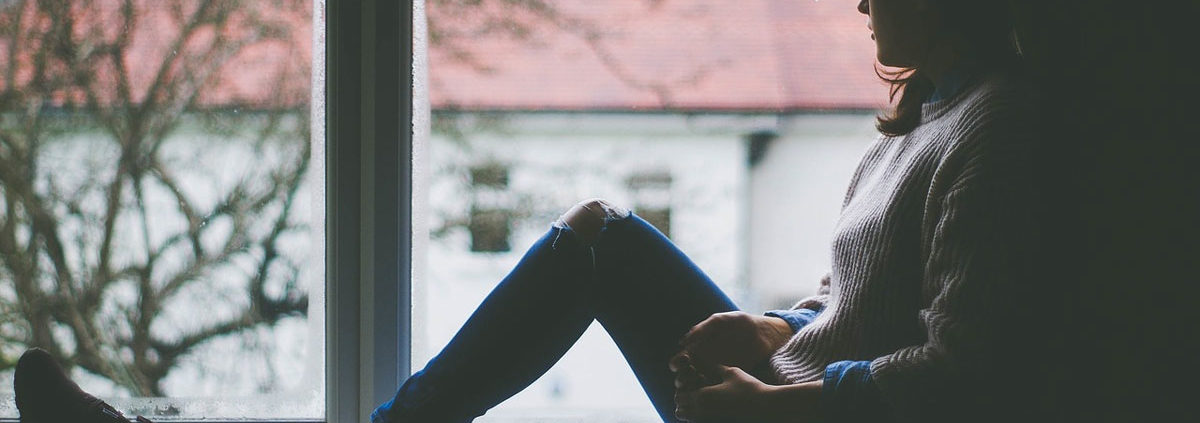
981 244
846 394
739 397
794 403
849 394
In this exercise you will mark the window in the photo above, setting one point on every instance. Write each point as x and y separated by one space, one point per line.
491 218
670 87
733 127
652 198
161 189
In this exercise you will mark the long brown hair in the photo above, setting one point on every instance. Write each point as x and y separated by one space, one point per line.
914 88
980 29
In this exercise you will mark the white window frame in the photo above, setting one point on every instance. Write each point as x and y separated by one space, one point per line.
368 108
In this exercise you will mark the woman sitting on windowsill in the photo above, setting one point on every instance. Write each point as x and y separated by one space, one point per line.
926 253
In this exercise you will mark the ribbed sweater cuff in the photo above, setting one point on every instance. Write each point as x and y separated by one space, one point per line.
848 394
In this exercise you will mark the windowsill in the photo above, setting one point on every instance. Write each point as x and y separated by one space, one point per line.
210 421
580 416
509 415
566 414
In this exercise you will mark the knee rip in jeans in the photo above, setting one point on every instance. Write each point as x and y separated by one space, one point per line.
588 217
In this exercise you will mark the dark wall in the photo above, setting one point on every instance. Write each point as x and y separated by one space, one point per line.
1113 333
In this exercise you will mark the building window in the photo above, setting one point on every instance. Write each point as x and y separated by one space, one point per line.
490 222
652 198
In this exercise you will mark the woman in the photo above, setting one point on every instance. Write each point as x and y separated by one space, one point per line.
928 243
906 325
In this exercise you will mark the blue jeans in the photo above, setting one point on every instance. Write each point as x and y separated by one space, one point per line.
633 280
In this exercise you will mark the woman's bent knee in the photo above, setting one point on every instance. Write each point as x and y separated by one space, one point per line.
588 217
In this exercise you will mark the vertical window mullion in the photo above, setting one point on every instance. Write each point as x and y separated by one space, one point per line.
368 203
392 200
343 55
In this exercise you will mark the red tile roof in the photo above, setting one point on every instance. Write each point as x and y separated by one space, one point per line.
271 70
676 54
651 55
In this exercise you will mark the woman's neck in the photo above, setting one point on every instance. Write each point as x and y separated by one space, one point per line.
949 70
950 81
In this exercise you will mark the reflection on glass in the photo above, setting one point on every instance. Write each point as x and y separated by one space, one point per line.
159 233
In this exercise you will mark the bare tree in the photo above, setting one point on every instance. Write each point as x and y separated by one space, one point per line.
108 256
91 266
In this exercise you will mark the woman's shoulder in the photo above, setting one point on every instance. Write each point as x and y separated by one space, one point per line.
996 105
989 92
993 130
1005 95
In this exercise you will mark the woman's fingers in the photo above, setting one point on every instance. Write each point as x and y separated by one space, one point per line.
688 378
685 382
709 370
692 334
707 327
686 375
699 351
679 361
732 372
685 405
715 326
702 344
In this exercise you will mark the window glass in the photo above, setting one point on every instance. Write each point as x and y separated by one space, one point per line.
162 224
733 127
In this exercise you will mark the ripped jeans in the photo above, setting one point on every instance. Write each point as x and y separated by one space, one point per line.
633 280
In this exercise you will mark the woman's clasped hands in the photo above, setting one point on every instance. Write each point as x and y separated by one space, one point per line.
712 383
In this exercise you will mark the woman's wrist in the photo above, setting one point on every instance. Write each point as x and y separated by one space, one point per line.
776 331
793 403
781 326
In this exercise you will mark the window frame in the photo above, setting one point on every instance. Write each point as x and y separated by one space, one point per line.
369 110
368 64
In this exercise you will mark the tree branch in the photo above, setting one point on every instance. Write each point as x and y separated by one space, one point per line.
68 49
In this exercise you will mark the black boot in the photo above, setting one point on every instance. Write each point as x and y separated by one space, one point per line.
46 395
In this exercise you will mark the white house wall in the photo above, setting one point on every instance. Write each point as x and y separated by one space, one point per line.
557 160
761 234
797 191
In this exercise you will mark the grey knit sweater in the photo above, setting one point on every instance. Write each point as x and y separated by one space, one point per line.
925 252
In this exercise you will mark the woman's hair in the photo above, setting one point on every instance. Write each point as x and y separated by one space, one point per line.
914 88
979 30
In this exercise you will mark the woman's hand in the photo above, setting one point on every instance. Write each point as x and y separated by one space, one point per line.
734 339
739 397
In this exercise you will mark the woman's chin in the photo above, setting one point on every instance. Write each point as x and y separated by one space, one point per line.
893 62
